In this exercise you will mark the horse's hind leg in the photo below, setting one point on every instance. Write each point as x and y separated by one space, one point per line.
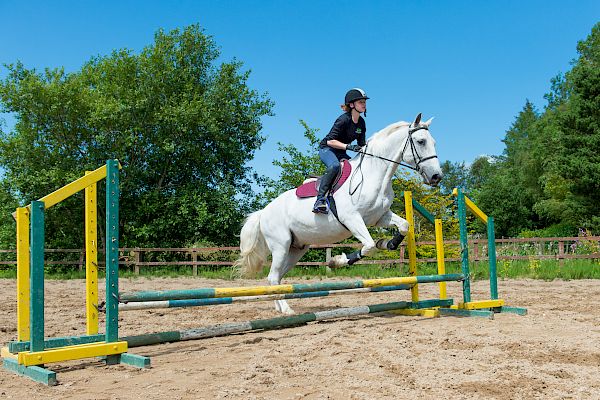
278 271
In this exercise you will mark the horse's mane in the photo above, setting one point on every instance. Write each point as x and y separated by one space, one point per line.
379 137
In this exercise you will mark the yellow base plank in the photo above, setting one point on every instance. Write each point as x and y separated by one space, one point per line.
71 353
475 305
4 353
426 312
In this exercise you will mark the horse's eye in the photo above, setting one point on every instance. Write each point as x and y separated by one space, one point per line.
421 142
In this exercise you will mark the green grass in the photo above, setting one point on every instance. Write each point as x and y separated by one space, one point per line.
533 269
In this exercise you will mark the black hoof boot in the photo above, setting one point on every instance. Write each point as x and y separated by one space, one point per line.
395 241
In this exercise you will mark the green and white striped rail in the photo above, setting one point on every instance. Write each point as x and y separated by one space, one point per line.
275 323
146 305
212 293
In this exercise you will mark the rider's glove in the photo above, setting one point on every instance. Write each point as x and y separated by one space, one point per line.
353 147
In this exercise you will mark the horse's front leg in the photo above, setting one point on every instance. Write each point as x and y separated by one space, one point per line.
387 220
359 230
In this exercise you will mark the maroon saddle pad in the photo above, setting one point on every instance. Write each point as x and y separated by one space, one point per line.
310 189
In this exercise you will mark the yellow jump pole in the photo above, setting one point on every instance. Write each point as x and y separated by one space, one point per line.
91 259
439 245
22 216
412 245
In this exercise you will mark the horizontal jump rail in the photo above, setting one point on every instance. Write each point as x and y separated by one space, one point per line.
274 323
208 293
228 300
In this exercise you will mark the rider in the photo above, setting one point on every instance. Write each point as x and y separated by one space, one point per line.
348 127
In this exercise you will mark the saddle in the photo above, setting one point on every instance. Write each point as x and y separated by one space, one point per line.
311 188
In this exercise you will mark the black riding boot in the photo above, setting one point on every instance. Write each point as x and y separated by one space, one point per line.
324 187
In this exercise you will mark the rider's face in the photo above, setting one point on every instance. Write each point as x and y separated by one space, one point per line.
360 105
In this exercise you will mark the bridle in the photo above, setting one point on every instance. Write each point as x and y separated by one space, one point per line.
413 149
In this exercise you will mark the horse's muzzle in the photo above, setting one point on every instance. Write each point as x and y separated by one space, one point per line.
435 179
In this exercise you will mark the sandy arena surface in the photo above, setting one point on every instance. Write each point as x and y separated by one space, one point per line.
552 353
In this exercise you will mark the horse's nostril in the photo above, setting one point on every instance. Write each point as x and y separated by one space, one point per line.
436 178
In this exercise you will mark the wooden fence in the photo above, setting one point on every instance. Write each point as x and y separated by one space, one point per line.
557 248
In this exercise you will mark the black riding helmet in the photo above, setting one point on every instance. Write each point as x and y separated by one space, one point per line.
355 94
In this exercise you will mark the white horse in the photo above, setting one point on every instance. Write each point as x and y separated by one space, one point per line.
287 226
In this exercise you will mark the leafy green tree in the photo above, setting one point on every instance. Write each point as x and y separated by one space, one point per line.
547 178
8 203
295 166
456 175
508 188
479 172
571 138
183 127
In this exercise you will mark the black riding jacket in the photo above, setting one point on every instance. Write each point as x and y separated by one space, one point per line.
346 131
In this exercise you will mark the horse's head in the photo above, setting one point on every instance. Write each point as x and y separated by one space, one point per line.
411 144
419 152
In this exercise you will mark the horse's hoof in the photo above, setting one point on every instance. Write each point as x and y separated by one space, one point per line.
338 261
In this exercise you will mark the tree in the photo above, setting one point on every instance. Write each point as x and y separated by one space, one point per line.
479 172
8 203
548 177
571 130
456 175
183 127
508 188
295 166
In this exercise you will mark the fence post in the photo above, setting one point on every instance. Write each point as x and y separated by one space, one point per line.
137 258
561 254
81 255
194 259
402 250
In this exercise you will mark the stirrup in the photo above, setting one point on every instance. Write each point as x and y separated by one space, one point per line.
320 207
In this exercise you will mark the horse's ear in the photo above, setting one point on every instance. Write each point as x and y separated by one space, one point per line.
428 122
417 120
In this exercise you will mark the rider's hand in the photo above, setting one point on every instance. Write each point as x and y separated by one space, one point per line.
353 147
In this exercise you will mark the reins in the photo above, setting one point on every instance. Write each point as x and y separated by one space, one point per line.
413 150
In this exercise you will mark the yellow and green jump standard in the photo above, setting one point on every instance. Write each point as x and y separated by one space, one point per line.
482 308
29 354
493 304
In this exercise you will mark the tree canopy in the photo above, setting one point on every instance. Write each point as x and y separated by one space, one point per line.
183 126
547 181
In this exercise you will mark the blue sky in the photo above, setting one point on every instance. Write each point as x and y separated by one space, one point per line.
469 64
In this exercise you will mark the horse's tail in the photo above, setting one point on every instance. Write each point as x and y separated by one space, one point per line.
253 247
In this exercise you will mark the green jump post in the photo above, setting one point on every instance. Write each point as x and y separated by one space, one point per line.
492 259
112 255
36 300
464 245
